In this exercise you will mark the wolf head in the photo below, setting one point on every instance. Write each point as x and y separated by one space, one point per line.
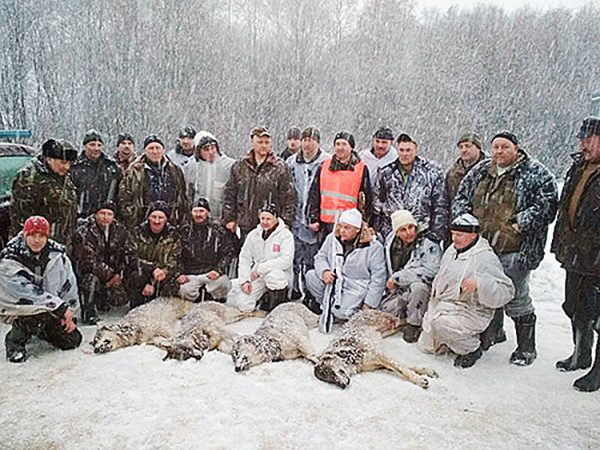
113 337
334 370
249 351
184 350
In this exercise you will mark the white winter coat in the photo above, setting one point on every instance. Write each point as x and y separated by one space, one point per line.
263 256
373 163
453 313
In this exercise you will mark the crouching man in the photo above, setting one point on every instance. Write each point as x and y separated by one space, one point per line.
266 262
349 268
38 291
412 260
104 253
470 285
208 249
158 248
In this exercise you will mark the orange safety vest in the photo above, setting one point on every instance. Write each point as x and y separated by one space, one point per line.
339 190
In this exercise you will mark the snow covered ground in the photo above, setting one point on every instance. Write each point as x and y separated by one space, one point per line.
132 399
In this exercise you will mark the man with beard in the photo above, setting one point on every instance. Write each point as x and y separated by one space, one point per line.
125 153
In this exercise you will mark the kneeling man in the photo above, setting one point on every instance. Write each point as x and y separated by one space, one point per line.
470 285
38 291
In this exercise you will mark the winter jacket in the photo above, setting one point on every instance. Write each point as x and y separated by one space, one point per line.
457 172
374 164
360 276
145 183
206 180
577 246
303 174
364 192
157 251
251 186
103 255
37 190
206 246
263 256
178 158
95 181
32 284
422 266
465 312
423 194
535 204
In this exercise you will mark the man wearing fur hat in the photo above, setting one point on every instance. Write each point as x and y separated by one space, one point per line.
470 284
208 172
293 139
381 153
104 256
208 249
515 199
259 178
183 152
469 146
413 183
349 273
152 177
303 168
412 261
576 244
340 183
125 153
43 187
265 264
38 291
96 176
159 249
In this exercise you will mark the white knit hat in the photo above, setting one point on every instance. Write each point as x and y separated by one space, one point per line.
351 217
402 217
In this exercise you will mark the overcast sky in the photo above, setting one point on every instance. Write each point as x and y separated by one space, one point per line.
506 4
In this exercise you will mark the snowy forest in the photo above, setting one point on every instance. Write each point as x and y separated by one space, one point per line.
226 66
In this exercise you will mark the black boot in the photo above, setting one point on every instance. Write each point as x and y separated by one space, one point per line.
525 353
468 360
590 382
494 333
411 333
89 316
15 341
583 337
311 303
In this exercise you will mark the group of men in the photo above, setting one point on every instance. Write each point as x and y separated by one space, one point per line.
343 232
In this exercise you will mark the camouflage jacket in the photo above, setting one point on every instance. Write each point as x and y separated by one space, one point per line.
37 190
536 199
144 184
208 246
577 245
423 193
162 251
457 172
101 255
95 181
250 187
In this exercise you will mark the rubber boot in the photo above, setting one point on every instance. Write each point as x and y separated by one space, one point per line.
583 337
468 360
590 382
525 353
15 341
89 316
494 333
411 333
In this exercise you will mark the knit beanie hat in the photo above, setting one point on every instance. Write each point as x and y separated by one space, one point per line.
467 223
187 132
293 133
473 138
506 135
312 132
351 217
589 127
108 204
36 224
402 217
384 133
92 136
152 138
124 137
201 203
270 208
159 205
59 149
346 136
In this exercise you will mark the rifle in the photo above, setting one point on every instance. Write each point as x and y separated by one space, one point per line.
326 318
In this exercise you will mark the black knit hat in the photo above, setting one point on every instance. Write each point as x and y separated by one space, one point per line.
92 136
293 133
589 127
124 137
466 223
201 203
346 136
152 138
187 132
506 135
384 133
159 205
270 208
59 149
312 132
107 205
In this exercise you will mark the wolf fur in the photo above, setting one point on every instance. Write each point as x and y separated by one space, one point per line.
203 329
282 335
359 349
152 323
